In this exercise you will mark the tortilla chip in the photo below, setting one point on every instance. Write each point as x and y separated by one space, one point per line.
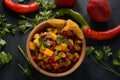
75 27
58 23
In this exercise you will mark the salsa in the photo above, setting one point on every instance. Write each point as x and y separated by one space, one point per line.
55 51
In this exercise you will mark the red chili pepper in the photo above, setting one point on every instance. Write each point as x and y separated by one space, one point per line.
21 8
102 35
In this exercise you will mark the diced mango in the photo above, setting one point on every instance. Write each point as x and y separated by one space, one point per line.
32 46
71 41
76 55
42 49
62 54
48 52
40 56
36 41
36 36
57 58
64 46
46 59
58 48
53 36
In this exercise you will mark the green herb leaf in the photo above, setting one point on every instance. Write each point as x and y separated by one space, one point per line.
4 58
43 43
102 57
24 26
116 62
61 40
99 54
2 43
5 27
107 50
90 50
118 54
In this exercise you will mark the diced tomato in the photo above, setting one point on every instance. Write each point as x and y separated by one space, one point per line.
54 44
51 59
43 38
52 48
35 59
71 48
48 66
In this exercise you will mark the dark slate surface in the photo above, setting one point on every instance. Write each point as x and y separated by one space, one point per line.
88 69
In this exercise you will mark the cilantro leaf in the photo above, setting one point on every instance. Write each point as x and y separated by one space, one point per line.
4 58
2 43
61 40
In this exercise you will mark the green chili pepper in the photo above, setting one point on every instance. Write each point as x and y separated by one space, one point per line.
75 15
97 35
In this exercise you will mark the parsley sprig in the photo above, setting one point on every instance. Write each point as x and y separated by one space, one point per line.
104 58
4 29
46 11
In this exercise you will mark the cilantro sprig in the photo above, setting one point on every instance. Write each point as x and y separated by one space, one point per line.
4 29
25 24
5 58
103 58
61 40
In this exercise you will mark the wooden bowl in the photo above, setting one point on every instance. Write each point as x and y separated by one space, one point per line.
37 29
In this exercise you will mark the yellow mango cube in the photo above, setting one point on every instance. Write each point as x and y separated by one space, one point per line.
40 56
57 58
76 55
48 52
32 46
71 41
53 36
64 46
62 54
42 49
58 47
36 41
36 36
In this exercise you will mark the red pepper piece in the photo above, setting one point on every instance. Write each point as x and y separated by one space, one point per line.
101 35
21 8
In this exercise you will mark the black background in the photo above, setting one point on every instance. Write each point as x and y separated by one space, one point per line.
88 69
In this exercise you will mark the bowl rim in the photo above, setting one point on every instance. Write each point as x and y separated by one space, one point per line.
76 65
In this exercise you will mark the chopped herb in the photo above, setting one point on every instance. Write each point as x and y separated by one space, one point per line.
5 27
61 40
43 43
46 12
24 26
116 62
5 58
2 43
